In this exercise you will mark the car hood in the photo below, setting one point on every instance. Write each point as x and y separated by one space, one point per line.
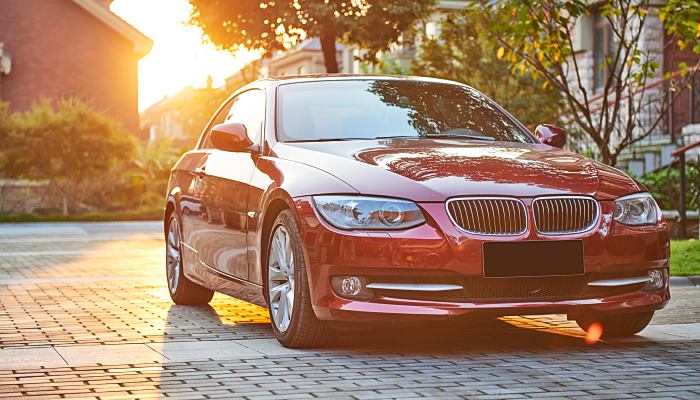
436 169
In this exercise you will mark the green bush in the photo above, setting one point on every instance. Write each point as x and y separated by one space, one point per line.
149 173
665 185
78 150
94 167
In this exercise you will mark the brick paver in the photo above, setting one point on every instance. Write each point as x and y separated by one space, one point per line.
73 293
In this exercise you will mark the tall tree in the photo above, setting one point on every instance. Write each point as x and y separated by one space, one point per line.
460 54
271 25
538 37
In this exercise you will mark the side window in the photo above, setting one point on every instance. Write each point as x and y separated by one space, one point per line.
249 109
219 118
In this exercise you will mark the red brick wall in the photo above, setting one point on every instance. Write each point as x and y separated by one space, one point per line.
682 113
58 49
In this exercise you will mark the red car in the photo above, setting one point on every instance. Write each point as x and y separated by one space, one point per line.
376 198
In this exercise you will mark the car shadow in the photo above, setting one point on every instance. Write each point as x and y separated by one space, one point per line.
224 319
229 318
466 335
478 335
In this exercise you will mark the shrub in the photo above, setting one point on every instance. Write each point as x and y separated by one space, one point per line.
665 185
150 171
78 150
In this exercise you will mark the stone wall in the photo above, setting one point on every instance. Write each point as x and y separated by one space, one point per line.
22 196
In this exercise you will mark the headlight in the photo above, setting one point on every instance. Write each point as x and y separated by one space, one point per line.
357 212
636 209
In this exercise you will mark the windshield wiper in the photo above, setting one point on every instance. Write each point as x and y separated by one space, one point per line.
433 136
441 136
448 136
326 140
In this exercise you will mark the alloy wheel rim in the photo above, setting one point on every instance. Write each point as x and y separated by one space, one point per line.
280 279
173 259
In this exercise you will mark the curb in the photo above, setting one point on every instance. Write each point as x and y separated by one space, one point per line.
685 281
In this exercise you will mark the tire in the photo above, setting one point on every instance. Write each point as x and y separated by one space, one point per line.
182 290
619 325
302 328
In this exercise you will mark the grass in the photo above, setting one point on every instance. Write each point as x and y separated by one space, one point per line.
142 214
685 257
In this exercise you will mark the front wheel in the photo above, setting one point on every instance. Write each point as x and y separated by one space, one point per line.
293 319
619 325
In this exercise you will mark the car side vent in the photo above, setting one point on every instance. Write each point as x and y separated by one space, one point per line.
488 216
565 215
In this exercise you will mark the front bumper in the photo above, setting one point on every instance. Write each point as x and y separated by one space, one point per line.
438 252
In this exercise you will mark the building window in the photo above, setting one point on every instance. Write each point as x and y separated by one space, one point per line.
602 49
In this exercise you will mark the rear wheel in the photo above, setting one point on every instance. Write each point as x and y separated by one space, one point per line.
181 289
619 325
293 319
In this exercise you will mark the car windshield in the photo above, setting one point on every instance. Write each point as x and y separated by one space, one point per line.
371 109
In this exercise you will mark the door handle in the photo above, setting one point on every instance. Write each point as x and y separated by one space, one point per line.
200 171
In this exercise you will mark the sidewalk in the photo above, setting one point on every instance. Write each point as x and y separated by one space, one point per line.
685 281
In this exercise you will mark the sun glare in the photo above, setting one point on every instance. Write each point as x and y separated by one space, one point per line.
594 333
179 57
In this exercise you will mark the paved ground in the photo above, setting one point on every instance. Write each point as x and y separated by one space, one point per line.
84 312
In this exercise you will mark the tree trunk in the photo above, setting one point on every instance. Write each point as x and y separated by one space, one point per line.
606 157
330 56
64 200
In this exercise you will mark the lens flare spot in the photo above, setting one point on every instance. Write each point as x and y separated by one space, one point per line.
595 331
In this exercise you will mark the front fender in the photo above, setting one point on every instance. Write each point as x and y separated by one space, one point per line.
273 186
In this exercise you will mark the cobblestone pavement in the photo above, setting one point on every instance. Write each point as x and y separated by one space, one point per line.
84 313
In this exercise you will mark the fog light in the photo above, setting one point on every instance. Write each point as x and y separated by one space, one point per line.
351 286
657 279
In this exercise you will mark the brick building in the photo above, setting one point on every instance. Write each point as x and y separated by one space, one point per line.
60 48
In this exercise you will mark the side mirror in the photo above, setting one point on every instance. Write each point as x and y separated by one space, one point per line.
231 136
551 135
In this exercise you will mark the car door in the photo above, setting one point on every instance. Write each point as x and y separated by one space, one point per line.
226 176
191 206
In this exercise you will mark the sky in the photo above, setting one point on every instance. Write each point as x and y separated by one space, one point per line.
179 57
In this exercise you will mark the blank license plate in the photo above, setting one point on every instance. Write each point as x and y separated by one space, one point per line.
533 258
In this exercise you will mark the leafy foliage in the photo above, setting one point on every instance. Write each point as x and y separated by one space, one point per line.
269 25
460 54
681 20
537 38
150 171
77 149
194 108
4 130
665 185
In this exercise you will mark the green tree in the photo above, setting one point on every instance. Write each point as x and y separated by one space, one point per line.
198 112
537 37
72 147
460 54
269 25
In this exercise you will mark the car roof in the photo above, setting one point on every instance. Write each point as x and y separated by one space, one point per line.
280 80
